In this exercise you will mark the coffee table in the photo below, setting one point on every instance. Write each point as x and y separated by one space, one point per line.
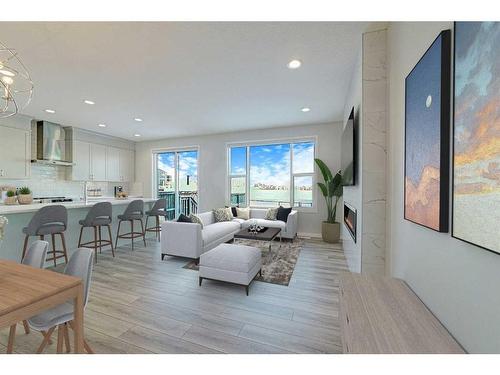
268 234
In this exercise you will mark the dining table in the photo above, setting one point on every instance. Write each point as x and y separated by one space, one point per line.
27 291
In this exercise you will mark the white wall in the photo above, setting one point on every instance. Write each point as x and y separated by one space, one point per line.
457 281
213 163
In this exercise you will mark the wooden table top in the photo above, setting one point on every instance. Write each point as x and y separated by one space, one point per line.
22 285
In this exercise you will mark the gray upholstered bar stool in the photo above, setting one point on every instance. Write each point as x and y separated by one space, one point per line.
158 210
133 212
100 215
49 220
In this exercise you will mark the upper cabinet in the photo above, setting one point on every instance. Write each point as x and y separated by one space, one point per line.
15 153
95 162
113 164
127 165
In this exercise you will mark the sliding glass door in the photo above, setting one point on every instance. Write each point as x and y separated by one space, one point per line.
177 181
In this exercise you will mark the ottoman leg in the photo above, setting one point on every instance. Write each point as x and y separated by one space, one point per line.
200 279
246 289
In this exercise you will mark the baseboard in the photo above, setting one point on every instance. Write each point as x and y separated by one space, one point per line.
308 235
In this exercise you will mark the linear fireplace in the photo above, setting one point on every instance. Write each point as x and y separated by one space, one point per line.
350 220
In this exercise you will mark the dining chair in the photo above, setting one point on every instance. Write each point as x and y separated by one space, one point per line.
61 316
35 257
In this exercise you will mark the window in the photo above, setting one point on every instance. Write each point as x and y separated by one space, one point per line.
177 181
272 175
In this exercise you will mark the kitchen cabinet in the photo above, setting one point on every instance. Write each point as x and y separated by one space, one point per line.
95 162
127 165
113 171
15 153
80 171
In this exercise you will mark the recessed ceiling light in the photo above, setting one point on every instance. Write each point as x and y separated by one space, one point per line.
89 102
50 111
137 135
138 119
294 64
305 109
102 125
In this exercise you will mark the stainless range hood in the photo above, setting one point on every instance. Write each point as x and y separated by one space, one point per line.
50 143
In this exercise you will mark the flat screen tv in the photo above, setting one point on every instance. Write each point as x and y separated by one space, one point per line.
348 149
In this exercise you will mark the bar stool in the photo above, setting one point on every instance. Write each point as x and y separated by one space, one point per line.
134 211
49 220
100 215
158 209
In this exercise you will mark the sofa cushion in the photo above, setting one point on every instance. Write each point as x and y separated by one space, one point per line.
184 219
283 213
229 257
195 219
222 214
206 217
216 231
244 213
239 220
271 214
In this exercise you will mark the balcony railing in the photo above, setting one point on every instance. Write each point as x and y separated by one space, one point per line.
188 203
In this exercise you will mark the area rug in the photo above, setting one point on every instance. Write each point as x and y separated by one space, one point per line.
278 266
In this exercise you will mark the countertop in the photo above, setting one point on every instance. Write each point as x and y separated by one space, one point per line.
20 209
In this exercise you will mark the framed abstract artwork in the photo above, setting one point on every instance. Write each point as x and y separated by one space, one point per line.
476 134
427 137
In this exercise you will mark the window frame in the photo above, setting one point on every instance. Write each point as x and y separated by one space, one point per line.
176 150
270 142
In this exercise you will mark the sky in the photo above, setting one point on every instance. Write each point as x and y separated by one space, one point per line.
477 108
187 165
270 164
423 114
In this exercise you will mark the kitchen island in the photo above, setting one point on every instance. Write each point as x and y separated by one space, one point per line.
18 217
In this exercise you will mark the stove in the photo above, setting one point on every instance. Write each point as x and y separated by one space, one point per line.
52 200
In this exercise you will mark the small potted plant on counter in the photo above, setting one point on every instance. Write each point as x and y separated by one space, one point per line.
25 196
332 191
11 198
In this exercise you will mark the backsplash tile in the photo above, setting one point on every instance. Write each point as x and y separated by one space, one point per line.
50 180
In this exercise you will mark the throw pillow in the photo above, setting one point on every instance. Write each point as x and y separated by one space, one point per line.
184 219
222 214
283 213
233 211
196 219
243 213
271 214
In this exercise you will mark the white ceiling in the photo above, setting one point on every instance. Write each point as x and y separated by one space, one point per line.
185 78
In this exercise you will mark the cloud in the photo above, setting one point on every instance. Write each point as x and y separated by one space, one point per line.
303 158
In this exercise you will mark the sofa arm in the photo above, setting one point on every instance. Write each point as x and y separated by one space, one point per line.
291 225
181 239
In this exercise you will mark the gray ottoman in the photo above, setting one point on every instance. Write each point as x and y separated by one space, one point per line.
236 264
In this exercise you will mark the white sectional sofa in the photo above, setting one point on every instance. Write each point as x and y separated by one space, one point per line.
190 241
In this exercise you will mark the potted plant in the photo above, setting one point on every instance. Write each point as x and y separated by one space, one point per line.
11 198
24 195
332 191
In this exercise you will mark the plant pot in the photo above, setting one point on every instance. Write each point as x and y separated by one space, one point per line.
9 201
25 198
330 232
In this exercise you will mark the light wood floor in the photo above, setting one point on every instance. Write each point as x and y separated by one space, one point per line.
139 304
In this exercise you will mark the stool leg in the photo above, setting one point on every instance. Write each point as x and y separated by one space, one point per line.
100 240
147 217
53 236
111 241
95 243
65 252
143 233
80 238
158 228
118 233
132 231
25 247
